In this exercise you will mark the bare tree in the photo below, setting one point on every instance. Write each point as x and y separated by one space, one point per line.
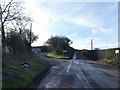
20 23
9 12
30 37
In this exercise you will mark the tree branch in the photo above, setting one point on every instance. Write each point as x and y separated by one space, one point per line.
7 15
6 6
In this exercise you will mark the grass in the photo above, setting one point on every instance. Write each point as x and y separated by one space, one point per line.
112 62
15 76
52 55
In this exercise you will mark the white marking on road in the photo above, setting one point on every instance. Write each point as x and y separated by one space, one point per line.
83 80
78 76
74 56
73 59
82 63
69 66
75 62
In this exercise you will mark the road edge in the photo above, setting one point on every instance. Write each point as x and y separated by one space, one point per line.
36 80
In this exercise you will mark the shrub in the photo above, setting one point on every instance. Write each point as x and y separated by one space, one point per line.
15 43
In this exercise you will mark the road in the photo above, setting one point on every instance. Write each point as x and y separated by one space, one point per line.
79 74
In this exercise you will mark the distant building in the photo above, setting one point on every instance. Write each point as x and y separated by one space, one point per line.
36 49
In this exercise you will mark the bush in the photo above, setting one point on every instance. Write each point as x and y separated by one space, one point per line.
112 62
15 43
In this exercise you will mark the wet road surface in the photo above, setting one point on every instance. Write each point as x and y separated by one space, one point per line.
79 74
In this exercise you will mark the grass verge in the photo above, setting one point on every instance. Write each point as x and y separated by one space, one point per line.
52 55
111 62
15 76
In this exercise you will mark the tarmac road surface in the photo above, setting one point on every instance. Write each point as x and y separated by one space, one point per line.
79 74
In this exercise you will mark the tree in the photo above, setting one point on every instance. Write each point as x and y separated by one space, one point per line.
8 12
30 36
15 43
58 43
20 23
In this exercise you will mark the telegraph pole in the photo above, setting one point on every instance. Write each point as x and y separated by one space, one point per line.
91 44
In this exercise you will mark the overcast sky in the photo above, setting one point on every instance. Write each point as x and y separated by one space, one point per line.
79 21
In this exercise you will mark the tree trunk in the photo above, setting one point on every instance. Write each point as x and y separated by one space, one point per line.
2 29
3 36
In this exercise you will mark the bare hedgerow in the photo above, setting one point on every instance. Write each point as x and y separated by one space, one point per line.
15 43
